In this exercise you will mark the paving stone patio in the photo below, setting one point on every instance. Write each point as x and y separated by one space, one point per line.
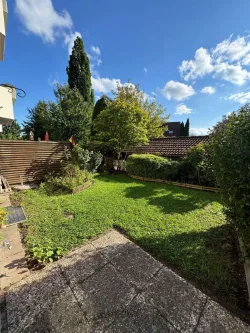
111 285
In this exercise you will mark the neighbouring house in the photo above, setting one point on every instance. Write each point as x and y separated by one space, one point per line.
3 24
7 93
171 147
173 129
7 101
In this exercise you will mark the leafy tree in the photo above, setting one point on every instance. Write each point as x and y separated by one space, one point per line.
157 120
182 129
72 115
100 105
39 120
229 149
186 128
11 132
79 75
121 124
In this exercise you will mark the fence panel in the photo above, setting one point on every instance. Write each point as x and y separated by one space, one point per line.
29 160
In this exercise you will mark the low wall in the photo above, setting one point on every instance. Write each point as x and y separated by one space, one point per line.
192 186
29 160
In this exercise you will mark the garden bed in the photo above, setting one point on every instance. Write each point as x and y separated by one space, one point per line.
185 229
83 187
162 181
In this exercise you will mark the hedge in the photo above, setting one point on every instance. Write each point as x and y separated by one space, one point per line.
193 169
150 166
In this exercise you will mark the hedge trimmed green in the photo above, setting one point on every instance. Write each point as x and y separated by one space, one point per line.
194 169
149 166
230 156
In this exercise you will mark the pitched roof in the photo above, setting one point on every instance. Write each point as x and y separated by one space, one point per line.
171 146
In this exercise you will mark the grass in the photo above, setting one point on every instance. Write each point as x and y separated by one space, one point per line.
184 228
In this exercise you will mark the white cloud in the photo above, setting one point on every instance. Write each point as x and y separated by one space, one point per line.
231 73
153 94
242 97
182 109
196 131
226 61
69 40
145 70
232 50
40 18
208 90
104 85
177 91
95 50
200 66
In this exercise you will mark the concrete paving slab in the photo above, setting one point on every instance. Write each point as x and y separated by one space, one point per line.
142 317
177 300
81 263
30 297
136 266
123 290
216 319
63 316
13 265
103 294
111 244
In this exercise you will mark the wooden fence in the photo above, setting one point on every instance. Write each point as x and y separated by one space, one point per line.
29 160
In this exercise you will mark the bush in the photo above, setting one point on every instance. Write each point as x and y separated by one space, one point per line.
194 169
149 166
230 158
70 177
3 214
87 160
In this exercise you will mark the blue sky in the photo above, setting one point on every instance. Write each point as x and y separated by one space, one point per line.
192 56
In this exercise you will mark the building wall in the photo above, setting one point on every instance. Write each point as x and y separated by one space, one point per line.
7 100
3 24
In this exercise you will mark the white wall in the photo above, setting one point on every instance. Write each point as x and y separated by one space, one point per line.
3 24
7 100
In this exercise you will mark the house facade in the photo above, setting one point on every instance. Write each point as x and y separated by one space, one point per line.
3 24
7 93
173 129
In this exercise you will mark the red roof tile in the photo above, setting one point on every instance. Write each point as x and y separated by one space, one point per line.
171 146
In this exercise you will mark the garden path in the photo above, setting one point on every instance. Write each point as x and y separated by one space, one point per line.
112 285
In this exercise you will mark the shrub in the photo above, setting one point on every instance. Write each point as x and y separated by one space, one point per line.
147 165
3 214
197 166
194 169
230 158
87 160
70 177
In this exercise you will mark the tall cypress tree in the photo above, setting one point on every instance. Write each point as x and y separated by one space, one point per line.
182 129
187 125
92 97
79 75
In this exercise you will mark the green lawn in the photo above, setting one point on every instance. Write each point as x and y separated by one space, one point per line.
184 228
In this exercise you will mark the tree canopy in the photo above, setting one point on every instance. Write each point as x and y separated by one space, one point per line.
73 115
11 132
78 70
156 113
186 128
121 125
39 120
